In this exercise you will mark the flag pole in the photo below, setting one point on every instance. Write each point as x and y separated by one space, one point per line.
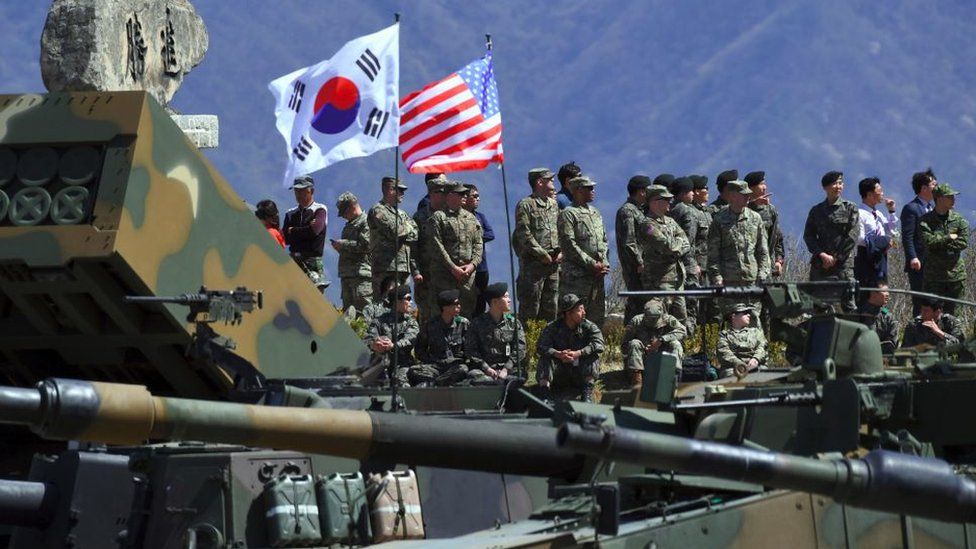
520 366
394 384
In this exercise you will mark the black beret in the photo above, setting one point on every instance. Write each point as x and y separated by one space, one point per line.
830 178
638 182
496 290
448 297
682 185
725 177
699 181
664 180
755 178
398 293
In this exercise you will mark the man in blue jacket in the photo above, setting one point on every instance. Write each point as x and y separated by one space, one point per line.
923 183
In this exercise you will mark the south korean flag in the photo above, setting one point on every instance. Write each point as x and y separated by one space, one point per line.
343 107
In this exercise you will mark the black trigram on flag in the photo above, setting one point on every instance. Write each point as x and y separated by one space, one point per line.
302 149
369 63
298 90
376 122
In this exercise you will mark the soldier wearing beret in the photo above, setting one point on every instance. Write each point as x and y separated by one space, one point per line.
831 233
495 343
391 236
456 246
398 322
759 203
441 345
630 216
737 251
664 246
304 230
720 182
435 201
690 221
946 236
569 351
664 180
742 346
566 173
653 331
536 243
583 240
353 246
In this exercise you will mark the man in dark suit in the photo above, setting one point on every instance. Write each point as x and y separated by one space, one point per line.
923 183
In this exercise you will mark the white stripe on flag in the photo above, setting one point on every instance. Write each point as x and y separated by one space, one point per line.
438 147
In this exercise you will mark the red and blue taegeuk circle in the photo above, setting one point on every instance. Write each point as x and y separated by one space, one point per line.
336 105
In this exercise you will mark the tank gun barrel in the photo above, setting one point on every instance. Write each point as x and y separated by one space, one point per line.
883 480
25 503
113 413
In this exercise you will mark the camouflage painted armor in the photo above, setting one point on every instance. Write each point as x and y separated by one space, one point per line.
774 236
534 239
627 227
489 343
386 257
583 241
455 240
916 333
558 336
407 331
736 347
944 259
737 252
832 229
880 320
669 330
354 271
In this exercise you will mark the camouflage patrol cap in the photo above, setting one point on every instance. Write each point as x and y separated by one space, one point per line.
345 200
658 192
755 178
303 182
536 174
448 298
428 177
740 308
568 301
399 184
944 189
653 312
580 182
456 187
436 182
738 186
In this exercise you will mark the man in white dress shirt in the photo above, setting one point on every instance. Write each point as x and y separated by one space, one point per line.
877 231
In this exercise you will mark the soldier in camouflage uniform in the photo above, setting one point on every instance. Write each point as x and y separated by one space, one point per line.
946 236
379 306
569 351
664 246
391 235
441 345
932 326
455 248
495 343
737 252
630 216
584 242
874 313
702 307
353 245
536 242
436 197
690 220
831 233
653 331
720 182
742 346
759 203
382 340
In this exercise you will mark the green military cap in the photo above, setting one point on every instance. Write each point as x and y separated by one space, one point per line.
439 180
655 192
536 174
457 187
653 312
568 301
580 182
345 200
738 186
399 184
944 189
303 182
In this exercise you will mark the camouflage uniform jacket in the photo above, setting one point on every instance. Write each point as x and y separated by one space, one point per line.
407 331
689 220
628 222
669 331
944 260
716 206
700 245
582 238
535 236
664 246
558 336
736 347
880 320
382 219
833 229
353 248
737 248
374 310
489 343
421 248
917 334
443 341
455 239
774 236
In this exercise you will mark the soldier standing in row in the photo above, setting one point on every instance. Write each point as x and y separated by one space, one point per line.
304 230
481 274
831 235
391 235
652 331
455 248
353 245
760 204
690 220
433 202
495 343
737 252
946 236
630 216
583 240
741 346
720 182
664 247
536 242
569 351
701 307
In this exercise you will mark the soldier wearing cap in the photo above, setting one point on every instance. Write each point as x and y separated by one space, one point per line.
741 345
455 248
831 233
495 343
737 250
434 201
536 243
690 221
653 331
946 236
664 246
629 218
566 173
569 351
720 182
441 345
380 334
353 246
304 230
759 203
699 200
583 240
391 236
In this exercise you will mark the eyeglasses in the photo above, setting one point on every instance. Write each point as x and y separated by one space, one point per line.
405 298
474 196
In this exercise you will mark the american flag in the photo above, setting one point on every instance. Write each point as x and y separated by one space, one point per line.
453 124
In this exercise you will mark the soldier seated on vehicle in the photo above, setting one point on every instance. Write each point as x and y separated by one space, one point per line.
382 340
742 345
376 309
873 313
441 346
490 344
569 352
653 331
933 327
